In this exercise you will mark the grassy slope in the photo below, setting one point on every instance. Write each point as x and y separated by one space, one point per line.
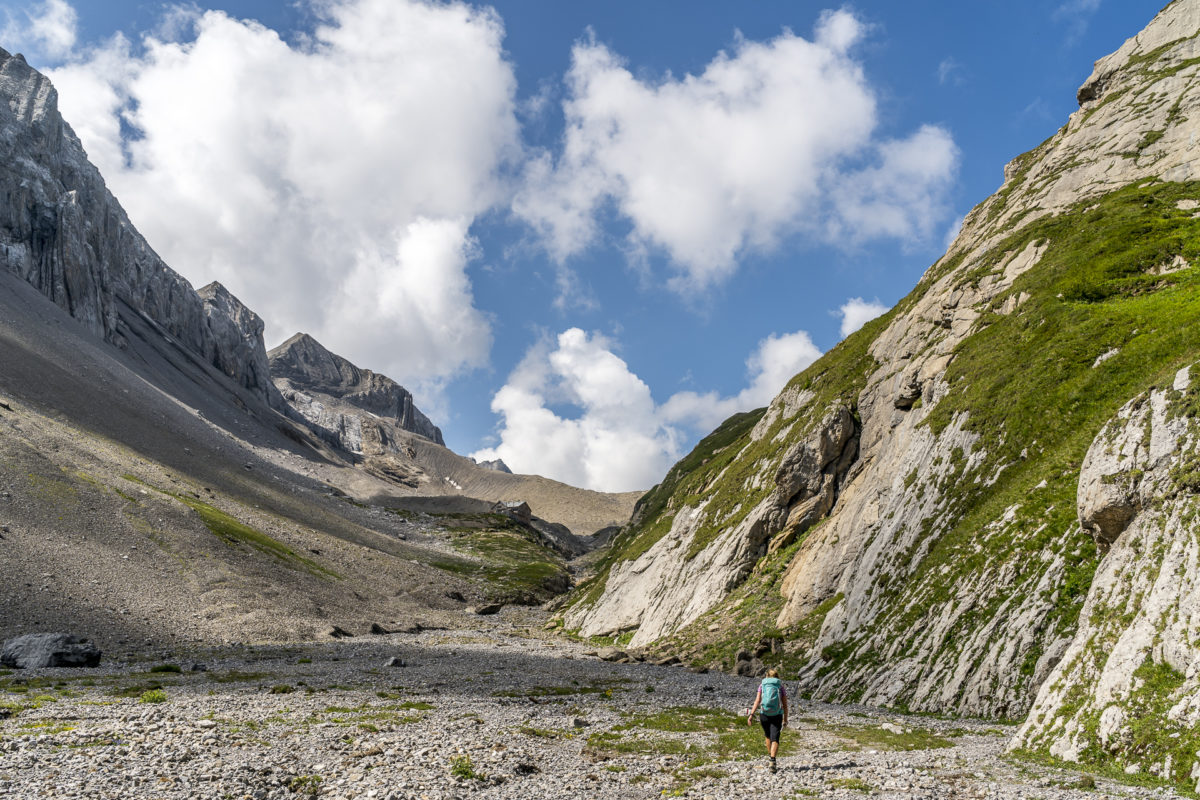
1028 383
837 377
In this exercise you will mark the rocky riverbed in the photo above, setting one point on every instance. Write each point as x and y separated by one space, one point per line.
499 711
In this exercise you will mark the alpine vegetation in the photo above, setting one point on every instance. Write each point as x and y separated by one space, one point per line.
981 502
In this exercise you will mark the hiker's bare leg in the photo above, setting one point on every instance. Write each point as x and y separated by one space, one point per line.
772 747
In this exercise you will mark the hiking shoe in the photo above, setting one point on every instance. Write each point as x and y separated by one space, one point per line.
773 767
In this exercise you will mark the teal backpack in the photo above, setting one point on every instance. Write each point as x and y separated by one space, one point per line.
771 701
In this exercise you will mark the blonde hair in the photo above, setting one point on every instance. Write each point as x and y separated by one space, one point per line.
772 673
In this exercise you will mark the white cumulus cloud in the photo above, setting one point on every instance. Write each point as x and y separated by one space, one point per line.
772 138
615 437
330 183
857 312
46 31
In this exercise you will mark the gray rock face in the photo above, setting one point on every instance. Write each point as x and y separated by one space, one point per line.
666 587
1134 655
944 577
331 392
62 231
236 344
497 465
39 650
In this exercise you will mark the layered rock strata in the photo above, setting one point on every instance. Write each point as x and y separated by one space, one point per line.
62 231
949 572
1128 687
357 407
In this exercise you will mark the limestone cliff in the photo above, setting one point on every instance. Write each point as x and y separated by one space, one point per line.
62 231
1128 687
939 563
333 394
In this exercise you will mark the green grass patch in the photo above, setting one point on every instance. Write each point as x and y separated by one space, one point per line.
462 769
236 533
876 738
512 565
545 733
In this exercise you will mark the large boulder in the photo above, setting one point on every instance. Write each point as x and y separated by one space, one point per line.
37 650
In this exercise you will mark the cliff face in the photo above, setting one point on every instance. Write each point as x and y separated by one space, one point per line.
900 526
1128 688
332 393
62 231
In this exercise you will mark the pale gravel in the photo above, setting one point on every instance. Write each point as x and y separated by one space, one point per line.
237 740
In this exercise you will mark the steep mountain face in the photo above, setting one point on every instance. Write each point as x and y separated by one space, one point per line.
332 393
1128 688
62 231
901 526
155 486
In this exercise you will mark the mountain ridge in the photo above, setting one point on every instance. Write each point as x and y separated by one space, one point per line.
947 566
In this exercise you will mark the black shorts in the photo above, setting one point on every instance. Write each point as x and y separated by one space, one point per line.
771 726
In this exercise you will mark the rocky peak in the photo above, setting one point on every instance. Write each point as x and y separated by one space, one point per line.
64 233
304 364
496 465
236 346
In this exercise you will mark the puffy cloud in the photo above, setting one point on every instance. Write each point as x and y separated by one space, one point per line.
775 137
47 31
619 439
330 183
617 442
904 195
857 312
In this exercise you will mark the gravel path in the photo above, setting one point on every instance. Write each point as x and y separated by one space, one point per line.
503 712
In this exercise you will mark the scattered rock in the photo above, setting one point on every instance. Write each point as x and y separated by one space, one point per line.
337 633
612 654
38 650
485 610
379 630
395 661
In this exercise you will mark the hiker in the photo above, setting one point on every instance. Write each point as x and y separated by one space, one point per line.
772 700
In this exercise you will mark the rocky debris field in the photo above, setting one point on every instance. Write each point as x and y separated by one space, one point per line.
502 711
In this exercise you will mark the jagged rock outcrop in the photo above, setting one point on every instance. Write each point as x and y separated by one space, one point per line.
62 231
496 465
949 574
42 650
236 343
1128 688
674 581
332 393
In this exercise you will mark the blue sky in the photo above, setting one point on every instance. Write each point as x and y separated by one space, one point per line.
582 232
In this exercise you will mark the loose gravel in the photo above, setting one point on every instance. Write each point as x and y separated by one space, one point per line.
500 712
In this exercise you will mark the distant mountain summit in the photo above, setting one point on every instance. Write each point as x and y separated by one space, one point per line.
64 234
305 372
